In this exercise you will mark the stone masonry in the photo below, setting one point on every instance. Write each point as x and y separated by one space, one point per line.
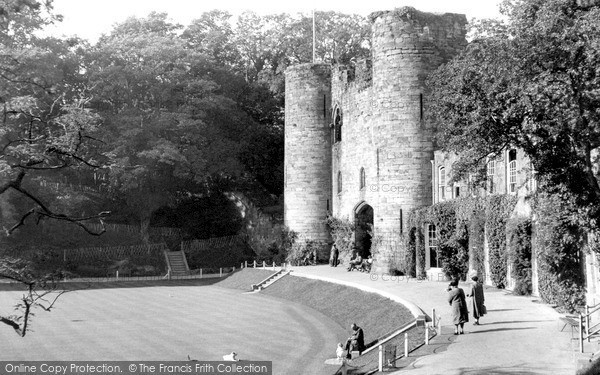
307 186
384 131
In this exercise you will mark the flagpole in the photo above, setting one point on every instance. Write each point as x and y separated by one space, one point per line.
314 39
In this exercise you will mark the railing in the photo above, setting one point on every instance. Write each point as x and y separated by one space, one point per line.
264 265
419 322
378 345
586 330
276 275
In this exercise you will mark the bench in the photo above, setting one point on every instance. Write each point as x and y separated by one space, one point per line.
571 321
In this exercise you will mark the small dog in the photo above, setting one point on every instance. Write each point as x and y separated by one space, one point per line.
339 351
230 357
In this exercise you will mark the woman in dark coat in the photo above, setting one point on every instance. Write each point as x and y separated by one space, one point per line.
460 313
478 299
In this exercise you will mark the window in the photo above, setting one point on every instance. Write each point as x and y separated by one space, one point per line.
339 183
363 179
337 125
456 191
433 246
532 178
491 171
512 171
471 188
442 183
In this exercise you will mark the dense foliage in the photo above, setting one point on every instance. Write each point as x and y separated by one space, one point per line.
559 243
342 233
460 228
531 83
153 117
519 254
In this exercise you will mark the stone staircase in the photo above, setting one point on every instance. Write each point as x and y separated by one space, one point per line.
177 263
269 280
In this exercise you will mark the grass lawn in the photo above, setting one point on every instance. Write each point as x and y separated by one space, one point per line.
296 322
377 315
163 322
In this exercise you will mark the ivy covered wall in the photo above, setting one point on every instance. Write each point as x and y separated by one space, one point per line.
464 224
461 225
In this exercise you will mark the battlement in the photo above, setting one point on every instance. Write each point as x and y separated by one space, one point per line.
407 31
359 74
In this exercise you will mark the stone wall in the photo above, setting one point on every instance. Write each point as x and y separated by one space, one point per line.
384 127
307 189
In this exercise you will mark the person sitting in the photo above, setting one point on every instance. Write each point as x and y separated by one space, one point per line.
308 259
356 342
355 263
366 264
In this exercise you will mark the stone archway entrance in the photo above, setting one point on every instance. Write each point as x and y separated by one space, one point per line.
364 223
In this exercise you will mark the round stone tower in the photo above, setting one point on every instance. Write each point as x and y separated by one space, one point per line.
307 189
407 46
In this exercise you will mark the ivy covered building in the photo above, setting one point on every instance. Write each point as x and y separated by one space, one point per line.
509 181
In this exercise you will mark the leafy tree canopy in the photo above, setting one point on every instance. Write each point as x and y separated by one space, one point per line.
46 129
532 83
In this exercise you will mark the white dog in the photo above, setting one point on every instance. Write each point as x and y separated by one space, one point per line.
230 357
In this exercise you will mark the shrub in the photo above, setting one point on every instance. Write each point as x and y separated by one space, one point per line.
519 254
342 233
498 209
559 238
410 255
300 249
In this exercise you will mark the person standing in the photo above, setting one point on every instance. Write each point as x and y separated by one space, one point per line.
335 253
476 293
460 313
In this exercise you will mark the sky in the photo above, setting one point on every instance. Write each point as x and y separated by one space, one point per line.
90 19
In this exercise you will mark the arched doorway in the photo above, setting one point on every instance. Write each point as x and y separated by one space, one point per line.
363 220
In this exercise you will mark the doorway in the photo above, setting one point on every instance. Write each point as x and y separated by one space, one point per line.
364 228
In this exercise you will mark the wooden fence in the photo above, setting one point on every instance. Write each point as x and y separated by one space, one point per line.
113 252
209 243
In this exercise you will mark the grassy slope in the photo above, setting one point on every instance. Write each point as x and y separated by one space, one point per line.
376 314
243 279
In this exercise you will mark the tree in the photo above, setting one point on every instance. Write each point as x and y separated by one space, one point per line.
170 113
212 35
47 131
269 44
42 292
533 83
